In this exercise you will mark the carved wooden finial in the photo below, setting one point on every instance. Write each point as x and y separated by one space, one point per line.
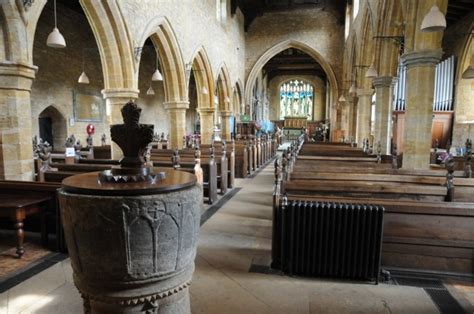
467 159
450 178
132 137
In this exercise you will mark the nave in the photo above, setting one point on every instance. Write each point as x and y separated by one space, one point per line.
233 239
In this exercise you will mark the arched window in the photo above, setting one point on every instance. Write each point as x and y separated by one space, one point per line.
296 99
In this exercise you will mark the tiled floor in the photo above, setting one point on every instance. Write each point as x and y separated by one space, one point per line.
229 241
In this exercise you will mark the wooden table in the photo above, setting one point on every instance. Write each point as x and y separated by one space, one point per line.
17 207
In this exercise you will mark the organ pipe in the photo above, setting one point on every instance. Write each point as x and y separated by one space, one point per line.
443 86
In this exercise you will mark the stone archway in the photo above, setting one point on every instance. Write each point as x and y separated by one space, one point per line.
224 99
204 79
270 53
52 118
367 57
174 76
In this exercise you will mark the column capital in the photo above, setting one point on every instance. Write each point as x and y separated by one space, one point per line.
365 92
176 105
384 81
423 57
124 94
17 75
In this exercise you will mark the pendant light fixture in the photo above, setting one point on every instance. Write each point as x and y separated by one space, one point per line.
150 91
342 98
157 74
83 79
204 91
55 39
353 89
371 72
434 20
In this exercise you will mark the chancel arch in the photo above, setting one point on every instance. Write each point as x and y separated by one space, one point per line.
270 53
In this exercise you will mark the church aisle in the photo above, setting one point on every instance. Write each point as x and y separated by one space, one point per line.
239 233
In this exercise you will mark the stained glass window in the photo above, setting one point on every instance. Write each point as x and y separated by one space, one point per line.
296 99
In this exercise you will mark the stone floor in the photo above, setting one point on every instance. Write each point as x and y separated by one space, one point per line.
234 237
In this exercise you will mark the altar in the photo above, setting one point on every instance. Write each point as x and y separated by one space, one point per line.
295 122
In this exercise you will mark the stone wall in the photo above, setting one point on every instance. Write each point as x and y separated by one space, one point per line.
195 25
58 72
316 28
153 110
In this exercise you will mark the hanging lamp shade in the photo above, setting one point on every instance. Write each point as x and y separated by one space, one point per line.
83 79
56 39
434 20
371 72
468 73
227 99
204 91
353 89
342 98
150 91
157 76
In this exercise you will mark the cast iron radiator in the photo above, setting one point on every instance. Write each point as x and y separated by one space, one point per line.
327 239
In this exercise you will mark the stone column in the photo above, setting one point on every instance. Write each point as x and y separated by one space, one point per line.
114 100
177 115
421 67
364 110
383 112
225 124
16 152
207 124
345 119
353 103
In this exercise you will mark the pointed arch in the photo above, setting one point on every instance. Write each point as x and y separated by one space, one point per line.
201 67
224 89
238 98
160 32
270 53
58 125
366 54
389 23
113 40
352 57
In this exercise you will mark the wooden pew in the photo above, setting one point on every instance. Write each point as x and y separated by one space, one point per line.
208 168
409 197
229 149
241 160
187 155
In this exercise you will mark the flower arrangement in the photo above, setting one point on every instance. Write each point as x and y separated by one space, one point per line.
443 157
